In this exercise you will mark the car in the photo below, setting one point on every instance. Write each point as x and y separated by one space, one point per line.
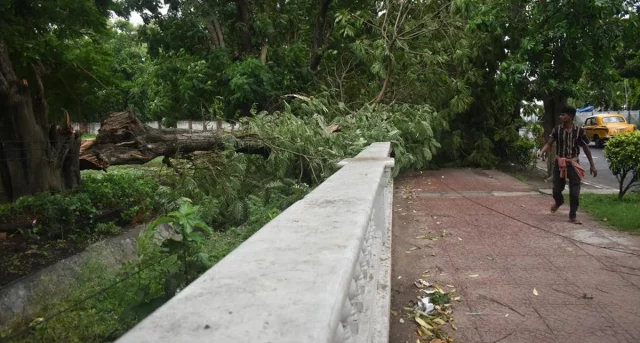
601 127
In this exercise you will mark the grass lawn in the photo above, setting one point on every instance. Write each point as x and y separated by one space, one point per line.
623 215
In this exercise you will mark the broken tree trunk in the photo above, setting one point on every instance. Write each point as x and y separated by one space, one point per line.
35 156
124 139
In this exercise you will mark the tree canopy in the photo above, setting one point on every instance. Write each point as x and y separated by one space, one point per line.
473 61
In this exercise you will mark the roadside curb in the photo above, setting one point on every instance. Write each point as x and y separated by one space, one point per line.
549 191
600 189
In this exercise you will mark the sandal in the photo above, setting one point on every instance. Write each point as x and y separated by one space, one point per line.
554 208
575 221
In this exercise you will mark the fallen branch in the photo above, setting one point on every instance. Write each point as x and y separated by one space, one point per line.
124 139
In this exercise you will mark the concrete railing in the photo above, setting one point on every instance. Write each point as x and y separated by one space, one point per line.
319 272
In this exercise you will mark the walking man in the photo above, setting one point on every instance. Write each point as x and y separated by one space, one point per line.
568 138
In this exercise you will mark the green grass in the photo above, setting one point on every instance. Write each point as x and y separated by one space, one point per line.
521 178
88 136
623 215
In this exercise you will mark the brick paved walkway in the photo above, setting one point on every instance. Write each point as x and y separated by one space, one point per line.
586 293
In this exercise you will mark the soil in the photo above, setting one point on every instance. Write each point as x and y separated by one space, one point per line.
20 257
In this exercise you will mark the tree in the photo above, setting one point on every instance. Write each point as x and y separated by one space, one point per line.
36 155
624 160
551 45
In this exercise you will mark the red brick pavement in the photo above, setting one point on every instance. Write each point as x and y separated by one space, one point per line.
586 292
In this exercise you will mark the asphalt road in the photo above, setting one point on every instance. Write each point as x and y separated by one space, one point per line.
605 178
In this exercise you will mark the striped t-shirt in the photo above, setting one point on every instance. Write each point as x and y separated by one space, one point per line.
568 142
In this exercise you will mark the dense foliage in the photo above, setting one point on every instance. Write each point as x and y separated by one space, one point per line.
473 62
119 197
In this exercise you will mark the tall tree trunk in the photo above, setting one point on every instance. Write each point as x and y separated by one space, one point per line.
385 84
553 104
215 31
213 34
319 35
244 19
218 28
263 54
34 155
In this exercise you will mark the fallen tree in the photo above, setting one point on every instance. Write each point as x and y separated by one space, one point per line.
124 139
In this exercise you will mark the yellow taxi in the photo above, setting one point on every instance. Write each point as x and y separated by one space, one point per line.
601 127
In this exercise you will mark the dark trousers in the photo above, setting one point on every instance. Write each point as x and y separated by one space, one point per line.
574 188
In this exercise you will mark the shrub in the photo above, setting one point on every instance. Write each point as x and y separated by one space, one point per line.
522 152
74 214
623 154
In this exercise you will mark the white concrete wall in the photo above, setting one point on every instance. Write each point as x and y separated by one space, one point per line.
319 272
196 125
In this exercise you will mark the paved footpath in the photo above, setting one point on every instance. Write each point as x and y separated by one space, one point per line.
587 277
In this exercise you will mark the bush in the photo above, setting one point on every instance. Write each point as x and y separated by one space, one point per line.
522 152
136 195
74 214
623 154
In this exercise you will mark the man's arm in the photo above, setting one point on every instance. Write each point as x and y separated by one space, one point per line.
592 167
547 146
542 153
552 138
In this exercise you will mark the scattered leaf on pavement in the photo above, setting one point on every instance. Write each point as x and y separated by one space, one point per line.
394 313
535 292
439 321
424 332
473 276
453 326
423 324
401 321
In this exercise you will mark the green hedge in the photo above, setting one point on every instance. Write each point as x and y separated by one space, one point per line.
120 197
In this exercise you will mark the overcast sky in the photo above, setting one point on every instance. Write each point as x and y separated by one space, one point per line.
136 19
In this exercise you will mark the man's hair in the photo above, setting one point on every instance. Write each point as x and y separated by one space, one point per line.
569 111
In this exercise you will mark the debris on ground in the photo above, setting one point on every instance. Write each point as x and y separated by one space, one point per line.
432 311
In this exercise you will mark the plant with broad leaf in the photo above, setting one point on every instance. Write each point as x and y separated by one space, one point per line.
187 237
185 245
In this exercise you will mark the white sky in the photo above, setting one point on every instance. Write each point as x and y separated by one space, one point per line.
136 19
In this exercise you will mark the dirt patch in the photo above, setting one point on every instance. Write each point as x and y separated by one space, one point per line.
20 257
